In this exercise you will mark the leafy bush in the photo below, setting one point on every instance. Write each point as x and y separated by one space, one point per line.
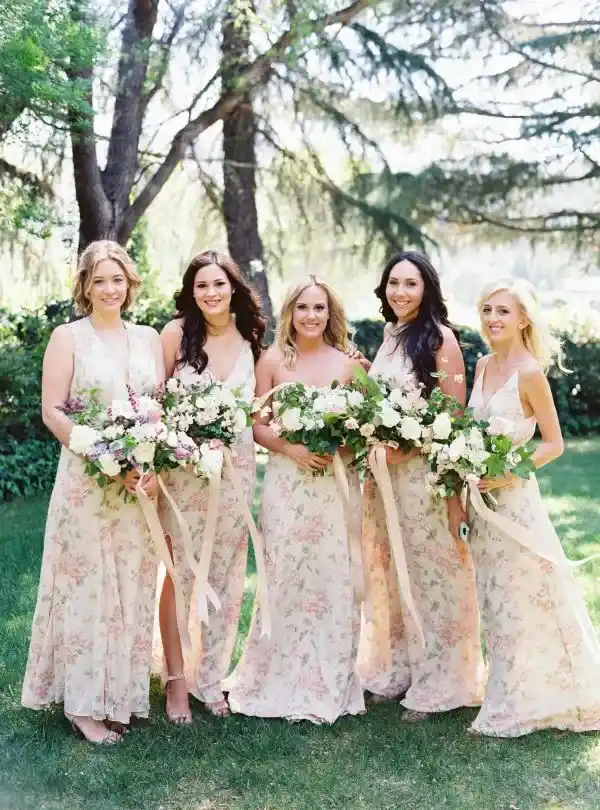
28 453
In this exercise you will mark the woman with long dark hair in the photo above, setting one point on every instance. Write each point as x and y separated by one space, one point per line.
217 333
447 672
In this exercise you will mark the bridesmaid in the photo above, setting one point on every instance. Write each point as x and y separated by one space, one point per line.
543 653
217 333
91 640
448 671
306 670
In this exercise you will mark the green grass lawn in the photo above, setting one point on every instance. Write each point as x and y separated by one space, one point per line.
248 764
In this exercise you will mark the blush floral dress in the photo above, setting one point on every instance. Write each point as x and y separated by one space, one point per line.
306 669
543 653
448 671
208 660
91 639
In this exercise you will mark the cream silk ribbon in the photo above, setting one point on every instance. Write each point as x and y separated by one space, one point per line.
162 549
520 534
354 531
204 592
381 474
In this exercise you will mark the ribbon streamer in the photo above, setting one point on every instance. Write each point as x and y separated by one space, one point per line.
520 534
204 592
354 546
381 474
162 549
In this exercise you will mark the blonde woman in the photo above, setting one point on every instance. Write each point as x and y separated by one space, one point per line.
305 670
543 653
91 640
217 333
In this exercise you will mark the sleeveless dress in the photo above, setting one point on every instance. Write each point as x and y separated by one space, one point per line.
448 672
306 669
543 653
208 660
91 639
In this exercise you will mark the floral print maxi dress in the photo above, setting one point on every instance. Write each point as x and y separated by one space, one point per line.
91 639
543 653
448 672
306 669
207 662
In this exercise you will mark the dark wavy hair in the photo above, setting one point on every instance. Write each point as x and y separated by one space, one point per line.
423 337
245 305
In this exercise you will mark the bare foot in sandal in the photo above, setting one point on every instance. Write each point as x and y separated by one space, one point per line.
178 704
219 708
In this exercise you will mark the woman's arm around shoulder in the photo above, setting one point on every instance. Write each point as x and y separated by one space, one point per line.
535 391
170 338
449 362
57 376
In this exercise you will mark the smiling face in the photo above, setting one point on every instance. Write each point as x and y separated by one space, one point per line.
311 312
212 291
502 319
405 290
107 290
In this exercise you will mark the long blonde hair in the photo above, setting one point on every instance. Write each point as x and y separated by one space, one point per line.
336 331
538 337
96 252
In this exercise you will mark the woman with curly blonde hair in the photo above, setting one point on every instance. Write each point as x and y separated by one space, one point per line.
91 640
543 653
305 670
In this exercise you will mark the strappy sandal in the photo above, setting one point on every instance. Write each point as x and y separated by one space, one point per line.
110 738
182 718
413 716
220 708
117 727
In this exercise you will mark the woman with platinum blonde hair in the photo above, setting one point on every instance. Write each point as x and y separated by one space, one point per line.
543 653
91 640
306 669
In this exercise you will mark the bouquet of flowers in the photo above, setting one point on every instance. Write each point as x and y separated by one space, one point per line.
310 416
379 412
116 438
461 447
208 414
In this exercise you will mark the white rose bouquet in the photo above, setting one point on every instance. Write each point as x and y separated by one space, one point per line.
208 414
310 416
461 448
379 412
115 439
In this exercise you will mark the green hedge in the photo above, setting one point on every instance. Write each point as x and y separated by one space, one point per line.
28 453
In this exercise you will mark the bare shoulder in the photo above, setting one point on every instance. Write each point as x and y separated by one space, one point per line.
62 337
173 328
448 337
481 364
270 358
531 375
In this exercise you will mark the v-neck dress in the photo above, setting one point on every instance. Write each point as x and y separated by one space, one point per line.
207 662
91 639
543 653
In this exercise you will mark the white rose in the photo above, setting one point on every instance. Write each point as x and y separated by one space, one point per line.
122 407
172 385
111 432
211 461
351 424
82 439
290 419
410 428
148 405
320 404
398 398
442 426
367 430
310 424
108 465
144 453
458 447
389 417
355 398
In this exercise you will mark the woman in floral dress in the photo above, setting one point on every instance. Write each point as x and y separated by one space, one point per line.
91 640
306 669
216 333
543 653
447 672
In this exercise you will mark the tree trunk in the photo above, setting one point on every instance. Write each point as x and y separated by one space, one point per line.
239 168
